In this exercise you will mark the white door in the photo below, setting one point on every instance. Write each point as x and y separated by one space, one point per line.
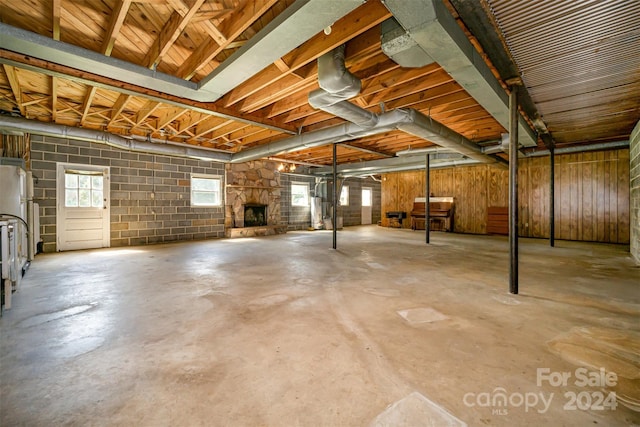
367 201
82 207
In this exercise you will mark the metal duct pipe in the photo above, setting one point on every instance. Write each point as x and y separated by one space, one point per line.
434 131
344 109
81 134
410 121
494 149
393 162
581 148
420 151
334 77
413 166
332 134
337 85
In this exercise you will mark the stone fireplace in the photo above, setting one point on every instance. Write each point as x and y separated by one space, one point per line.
252 203
255 215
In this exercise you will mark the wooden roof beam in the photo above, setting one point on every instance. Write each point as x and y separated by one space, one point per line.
54 98
178 21
190 121
210 124
51 68
14 83
281 89
215 33
232 27
55 13
118 108
86 105
434 96
169 115
435 79
115 24
147 109
35 101
208 15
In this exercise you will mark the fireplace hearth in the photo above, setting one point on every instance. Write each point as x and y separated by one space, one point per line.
255 215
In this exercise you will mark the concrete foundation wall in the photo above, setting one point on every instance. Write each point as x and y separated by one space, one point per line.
634 190
136 217
295 217
352 213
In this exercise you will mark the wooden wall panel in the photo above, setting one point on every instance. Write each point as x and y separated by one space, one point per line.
498 187
591 195
533 197
623 185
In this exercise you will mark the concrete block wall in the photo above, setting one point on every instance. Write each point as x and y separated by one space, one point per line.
352 214
634 189
295 217
137 218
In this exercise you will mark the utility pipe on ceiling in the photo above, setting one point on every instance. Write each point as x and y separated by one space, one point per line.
337 85
421 151
82 134
414 166
580 148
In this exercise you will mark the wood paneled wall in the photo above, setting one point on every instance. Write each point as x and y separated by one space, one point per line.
591 195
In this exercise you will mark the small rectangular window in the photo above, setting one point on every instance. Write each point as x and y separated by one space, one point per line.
299 194
83 190
206 190
344 196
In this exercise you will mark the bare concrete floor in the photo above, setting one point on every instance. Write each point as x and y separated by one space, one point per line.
284 331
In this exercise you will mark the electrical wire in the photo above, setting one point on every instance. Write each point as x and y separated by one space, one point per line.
17 217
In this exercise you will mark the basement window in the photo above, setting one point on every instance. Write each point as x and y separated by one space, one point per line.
344 196
83 190
206 190
299 194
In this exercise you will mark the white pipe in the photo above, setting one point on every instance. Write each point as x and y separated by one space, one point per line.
4 248
31 235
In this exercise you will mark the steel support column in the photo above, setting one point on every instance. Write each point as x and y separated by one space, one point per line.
513 190
334 196
552 197
427 191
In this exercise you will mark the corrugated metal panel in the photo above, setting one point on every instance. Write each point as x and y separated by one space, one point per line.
577 58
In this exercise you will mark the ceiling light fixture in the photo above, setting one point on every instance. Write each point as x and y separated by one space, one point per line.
286 168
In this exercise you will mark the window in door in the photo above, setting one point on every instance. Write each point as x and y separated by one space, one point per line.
83 190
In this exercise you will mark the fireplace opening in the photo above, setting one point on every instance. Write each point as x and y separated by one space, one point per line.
255 215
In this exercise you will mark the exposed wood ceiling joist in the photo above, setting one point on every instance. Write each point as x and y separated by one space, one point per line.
190 38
